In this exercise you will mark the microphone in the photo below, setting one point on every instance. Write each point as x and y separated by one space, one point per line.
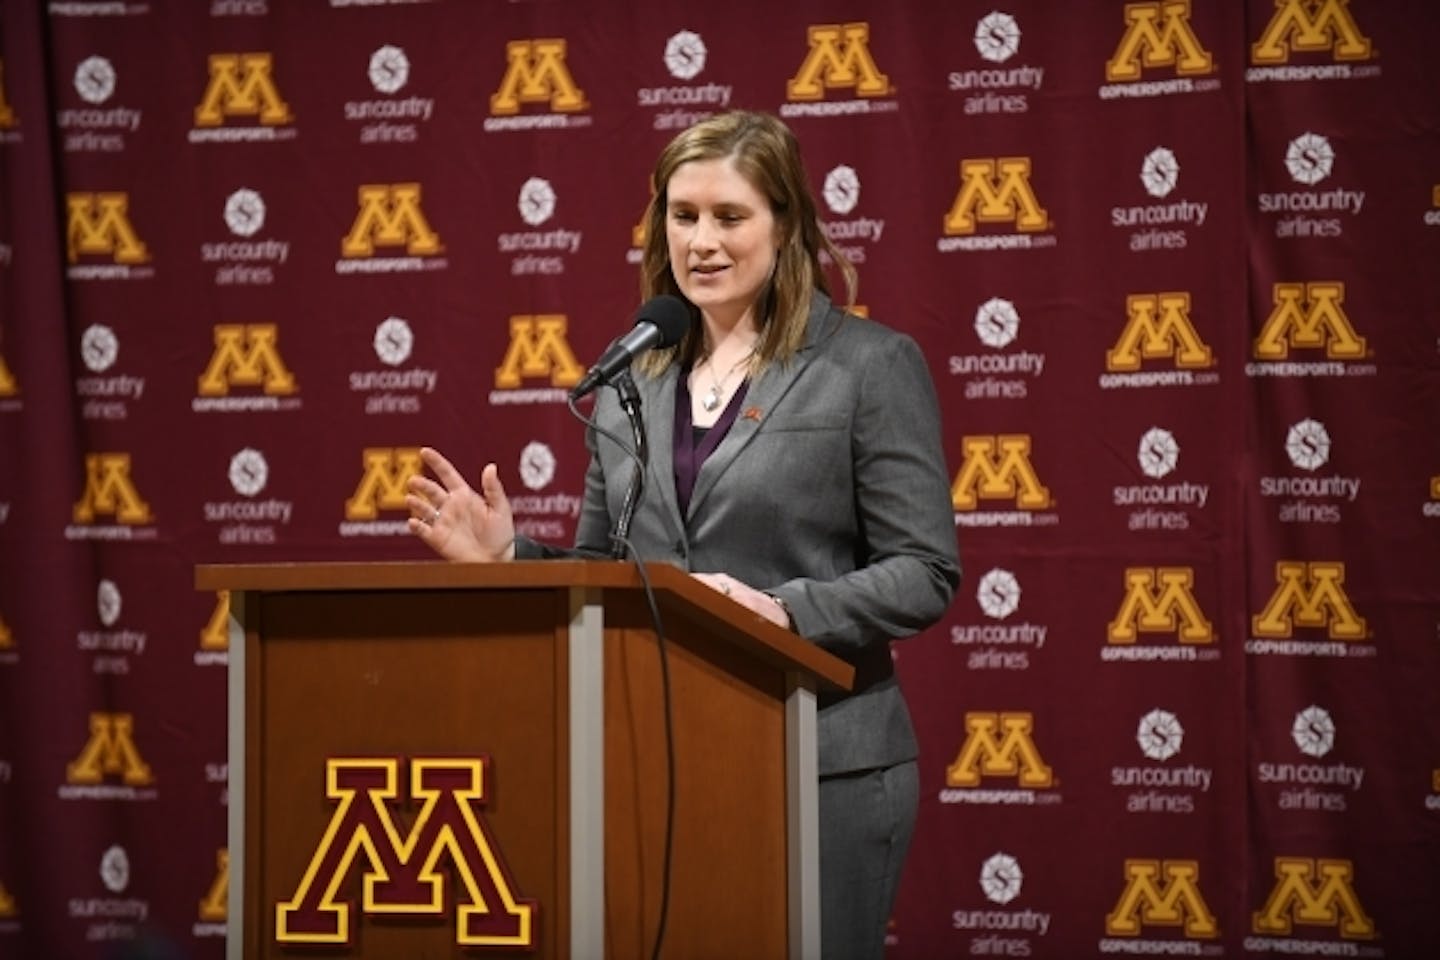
660 322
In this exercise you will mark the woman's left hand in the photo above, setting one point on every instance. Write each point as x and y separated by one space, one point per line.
747 596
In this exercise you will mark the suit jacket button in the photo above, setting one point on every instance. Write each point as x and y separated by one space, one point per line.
680 548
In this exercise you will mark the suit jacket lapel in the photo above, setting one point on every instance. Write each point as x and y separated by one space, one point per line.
657 400
763 397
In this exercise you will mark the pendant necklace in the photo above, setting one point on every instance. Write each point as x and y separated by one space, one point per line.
716 393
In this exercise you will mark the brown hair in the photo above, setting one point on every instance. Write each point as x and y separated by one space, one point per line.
766 153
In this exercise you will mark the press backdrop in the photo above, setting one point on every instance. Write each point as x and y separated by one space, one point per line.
1175 265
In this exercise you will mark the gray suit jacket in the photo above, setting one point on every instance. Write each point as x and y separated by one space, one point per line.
829 491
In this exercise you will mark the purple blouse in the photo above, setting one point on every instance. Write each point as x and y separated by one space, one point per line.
694 444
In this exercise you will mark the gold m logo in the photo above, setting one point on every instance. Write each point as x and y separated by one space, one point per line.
536 73
1309 595
390 216
999 745
7 115
8 386
110 751
1310 26
98 224
1164 893
246 356
383 486
1160 600
216 635
1309 316
538 348
1158 35
1318 893
241 86
213 909
7 639
7 904
1159 326
998 468
995 191
108 490
1435 488
402 875
839 57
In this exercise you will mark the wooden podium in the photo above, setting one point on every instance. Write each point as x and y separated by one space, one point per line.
451 760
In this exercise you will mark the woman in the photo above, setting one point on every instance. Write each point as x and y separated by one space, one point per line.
796 466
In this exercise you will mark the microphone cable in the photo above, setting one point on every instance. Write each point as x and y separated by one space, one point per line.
662 648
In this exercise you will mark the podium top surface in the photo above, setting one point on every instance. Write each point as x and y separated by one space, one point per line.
675 590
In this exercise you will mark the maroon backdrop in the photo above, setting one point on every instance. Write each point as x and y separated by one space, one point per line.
1175 267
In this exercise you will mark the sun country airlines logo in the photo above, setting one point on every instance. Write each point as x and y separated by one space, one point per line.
1001 373
247 257
110 493
399 869
1000 763
1307 322
1000 467
101 242
1164 223
106 394
1311 40
398 387
1156 505
114 917
1158 894
1161 786
391 117
1159 39
537 251
1001 881
1317 894
686 101
852 235
98 126
242 102
248 518
109 765
1310 786
1159 327
996 208
1313 494
544 516
385 472
1312 209
246 356
1310 596
390 218
539 353
998 86
110 648
1160 601
839 64
537 76
999 644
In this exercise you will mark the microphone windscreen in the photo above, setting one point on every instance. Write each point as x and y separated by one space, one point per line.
671 316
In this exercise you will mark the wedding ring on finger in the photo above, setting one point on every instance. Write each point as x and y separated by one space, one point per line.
435 517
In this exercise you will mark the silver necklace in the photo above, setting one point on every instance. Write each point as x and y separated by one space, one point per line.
716 393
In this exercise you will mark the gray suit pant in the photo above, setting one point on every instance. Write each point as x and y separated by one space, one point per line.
866 821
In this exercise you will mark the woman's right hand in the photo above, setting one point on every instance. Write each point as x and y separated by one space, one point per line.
457 521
